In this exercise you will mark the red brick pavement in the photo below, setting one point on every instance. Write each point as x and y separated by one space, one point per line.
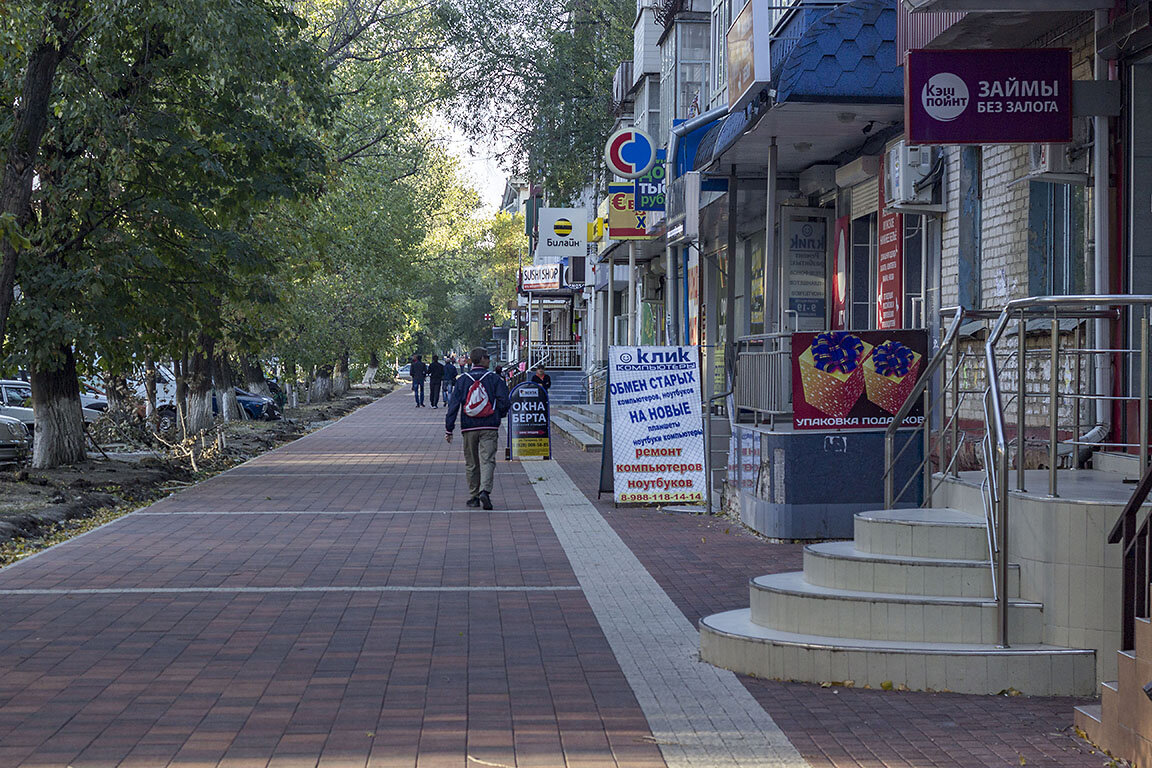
345 658
704 564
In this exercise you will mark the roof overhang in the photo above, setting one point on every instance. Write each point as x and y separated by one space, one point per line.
808 133
1001 29
1008 6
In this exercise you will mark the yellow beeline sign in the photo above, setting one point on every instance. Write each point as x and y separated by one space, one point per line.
624 221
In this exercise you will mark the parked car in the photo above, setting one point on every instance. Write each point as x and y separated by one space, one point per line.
15 440
258 407
404 371
16 401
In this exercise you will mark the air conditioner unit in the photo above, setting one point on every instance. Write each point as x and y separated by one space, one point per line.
1058 163
905 170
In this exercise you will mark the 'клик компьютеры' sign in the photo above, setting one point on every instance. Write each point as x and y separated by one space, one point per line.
657 432
988 97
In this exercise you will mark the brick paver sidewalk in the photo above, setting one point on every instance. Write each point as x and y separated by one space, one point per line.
333 603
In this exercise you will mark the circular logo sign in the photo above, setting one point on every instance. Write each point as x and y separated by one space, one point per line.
562 227
630 153
945 97
625 357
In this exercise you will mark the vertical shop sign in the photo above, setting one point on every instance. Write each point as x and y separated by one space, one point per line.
657 426
889 266
840 274
693 283
529 428
806 259
651 189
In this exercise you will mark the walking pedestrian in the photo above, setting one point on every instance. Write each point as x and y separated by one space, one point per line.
436 376
481 397
541 378
449 377
418 371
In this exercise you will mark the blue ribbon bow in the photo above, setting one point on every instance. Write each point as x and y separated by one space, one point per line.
837 352
892 359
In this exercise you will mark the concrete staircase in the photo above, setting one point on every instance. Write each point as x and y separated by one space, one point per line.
1121 722
582 424
567 388
907 603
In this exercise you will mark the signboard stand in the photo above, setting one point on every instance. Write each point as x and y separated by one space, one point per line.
658 444
606 441
529 425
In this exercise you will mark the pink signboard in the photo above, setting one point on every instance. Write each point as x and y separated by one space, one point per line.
889 266
988 96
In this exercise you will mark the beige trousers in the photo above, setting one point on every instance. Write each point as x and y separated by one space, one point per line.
480 459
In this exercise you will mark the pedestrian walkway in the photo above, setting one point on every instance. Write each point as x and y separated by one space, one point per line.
333 603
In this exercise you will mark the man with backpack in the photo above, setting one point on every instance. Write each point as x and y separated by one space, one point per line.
481 397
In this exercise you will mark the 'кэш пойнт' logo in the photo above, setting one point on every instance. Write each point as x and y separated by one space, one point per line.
945 97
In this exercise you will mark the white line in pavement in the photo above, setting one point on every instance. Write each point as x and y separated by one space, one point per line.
266 590
700 715
160 513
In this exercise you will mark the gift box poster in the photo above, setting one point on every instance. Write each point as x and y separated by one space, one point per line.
855 379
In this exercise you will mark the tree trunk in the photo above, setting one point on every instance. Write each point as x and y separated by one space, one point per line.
321 389
59 437
181 371
230 409
119 404
290 386
373 367
149 389
31 121
254 379
340 375
200 415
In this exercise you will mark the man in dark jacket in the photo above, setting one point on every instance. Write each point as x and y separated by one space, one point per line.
449 377
436 376
418 371
480 417
542 378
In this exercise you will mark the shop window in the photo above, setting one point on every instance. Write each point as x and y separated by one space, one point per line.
862 273
1057 239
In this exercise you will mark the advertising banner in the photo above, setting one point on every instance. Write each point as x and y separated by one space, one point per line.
988 97
651 189
624 221
889 266
563 234
855 379
540 277
657 427
529 426
749 63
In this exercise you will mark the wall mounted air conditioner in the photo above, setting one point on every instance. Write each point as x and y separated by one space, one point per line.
816 179
1058 163
908 183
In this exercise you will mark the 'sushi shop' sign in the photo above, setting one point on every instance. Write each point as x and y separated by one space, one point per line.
855 379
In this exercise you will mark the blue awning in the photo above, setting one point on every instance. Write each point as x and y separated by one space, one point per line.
847 56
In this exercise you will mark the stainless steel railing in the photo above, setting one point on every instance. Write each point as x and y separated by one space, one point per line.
556 354
1049 311
764 386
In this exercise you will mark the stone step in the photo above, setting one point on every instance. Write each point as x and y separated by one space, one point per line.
839 565
593 425
787 602
938 533
732 641
575 431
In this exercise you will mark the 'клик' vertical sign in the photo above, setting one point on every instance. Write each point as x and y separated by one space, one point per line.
988 97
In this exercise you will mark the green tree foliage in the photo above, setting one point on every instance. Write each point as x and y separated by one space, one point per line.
537 74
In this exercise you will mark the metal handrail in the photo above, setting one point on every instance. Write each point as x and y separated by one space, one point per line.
958 314
1049 307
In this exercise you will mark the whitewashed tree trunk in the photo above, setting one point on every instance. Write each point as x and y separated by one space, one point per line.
59 436
370 376
254 379
321 389
200 415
